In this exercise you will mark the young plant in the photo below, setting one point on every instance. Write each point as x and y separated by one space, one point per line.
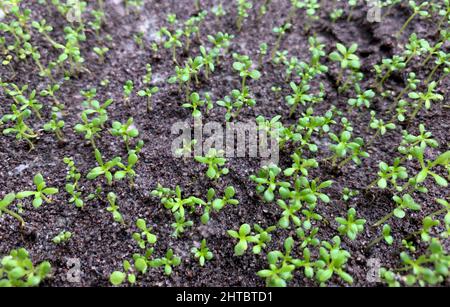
74 177
243 237
243 65
403 203
127 90
104 169
281 266
41 194
203 253
17 270
168 261
180 224
242 12
346 58
101 51
418 9
267 182
425 98
262 237
114 208
195 103
126 131
350 226
145 236
55 125
215 161
280 32
332 261
62 237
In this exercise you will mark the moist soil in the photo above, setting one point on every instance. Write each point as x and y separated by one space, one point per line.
101 245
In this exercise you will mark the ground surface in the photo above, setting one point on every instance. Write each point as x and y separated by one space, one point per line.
102 245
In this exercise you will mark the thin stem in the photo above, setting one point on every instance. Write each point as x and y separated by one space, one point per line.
384 219
14 215
432 73
406 24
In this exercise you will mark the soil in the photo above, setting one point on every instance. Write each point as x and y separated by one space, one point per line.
101 245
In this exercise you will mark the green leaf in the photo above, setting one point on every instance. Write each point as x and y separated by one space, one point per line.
117 278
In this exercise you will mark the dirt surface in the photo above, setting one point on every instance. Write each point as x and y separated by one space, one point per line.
101 245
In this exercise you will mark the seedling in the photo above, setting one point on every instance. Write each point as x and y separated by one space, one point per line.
145 236
347 59
362 98
387 67
425 98
390 174
41 194
403 203
203 253
195 103
332 261
62 237
180 224
114 208
215 161
55 125
217 204
20 128
169 261
127 90
50 91
172 41
289 214
236 102
104 169
126 131
128 170
17 270
426 166
301 96
281 266
280 32
267 182
243 65
262 237
418 9
350 226
244 238
242 12
73 176
348 194
101 51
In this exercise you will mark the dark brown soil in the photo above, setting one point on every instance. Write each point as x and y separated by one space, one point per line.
101 245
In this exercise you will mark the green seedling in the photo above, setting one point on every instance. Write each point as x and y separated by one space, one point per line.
243 65
362 98
17 270
114 208
180 224
62 237
332 261
348 194
236 102
280 32
20 128
418 9
50 91
390 174
172 41
126 131
41 194
387 67
281 266
128 170
149 92
101 51
55 125
425 99
215 162
346 58
195 103
104 169
426 166
128 88
203 253
145 236
262 237
218 204
243 237
403 203
73 177
169 261
243 6
350 226
267 182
